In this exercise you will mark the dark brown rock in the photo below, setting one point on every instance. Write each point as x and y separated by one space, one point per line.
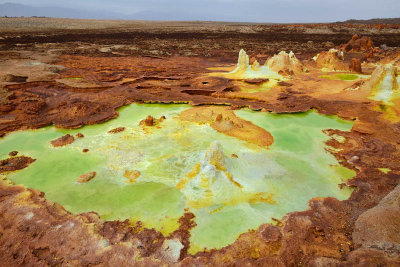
63 141
358 44
270 233
370 55
117 130
14 78
256 81
371 257
13 153
149 121
355 65
84 178
379 227
15 163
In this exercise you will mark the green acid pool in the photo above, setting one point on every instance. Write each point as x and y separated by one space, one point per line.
272 181
343 76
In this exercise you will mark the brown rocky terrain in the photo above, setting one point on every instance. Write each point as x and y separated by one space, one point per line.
78 76
63 140
15 163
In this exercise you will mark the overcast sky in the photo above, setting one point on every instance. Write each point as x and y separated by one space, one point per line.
238 10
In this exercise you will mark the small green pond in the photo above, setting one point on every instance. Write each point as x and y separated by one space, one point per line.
341 76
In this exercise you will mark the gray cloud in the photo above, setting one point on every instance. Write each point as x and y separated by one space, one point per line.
234 10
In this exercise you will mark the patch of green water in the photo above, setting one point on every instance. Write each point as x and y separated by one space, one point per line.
255 88
341 76
56 170
293 170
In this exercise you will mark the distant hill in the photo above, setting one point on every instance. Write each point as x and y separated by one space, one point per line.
181 16
19 10
374 21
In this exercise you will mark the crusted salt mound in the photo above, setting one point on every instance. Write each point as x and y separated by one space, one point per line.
285 63
207 178
215 156
275 68
331 60
243 62
204 184
384 83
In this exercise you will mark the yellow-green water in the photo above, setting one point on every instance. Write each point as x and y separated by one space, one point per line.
292 171
341 76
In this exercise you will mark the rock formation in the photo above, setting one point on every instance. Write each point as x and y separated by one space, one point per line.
215 156
358 44
207 177
331 60
384 83
370 55
15 163
225 121
151 121
286 64
243 62
171 250
202 186
355 65
84 178
206 184
132 175
13 153
275 68
117 130
10 78
63 141
378 228
256 65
